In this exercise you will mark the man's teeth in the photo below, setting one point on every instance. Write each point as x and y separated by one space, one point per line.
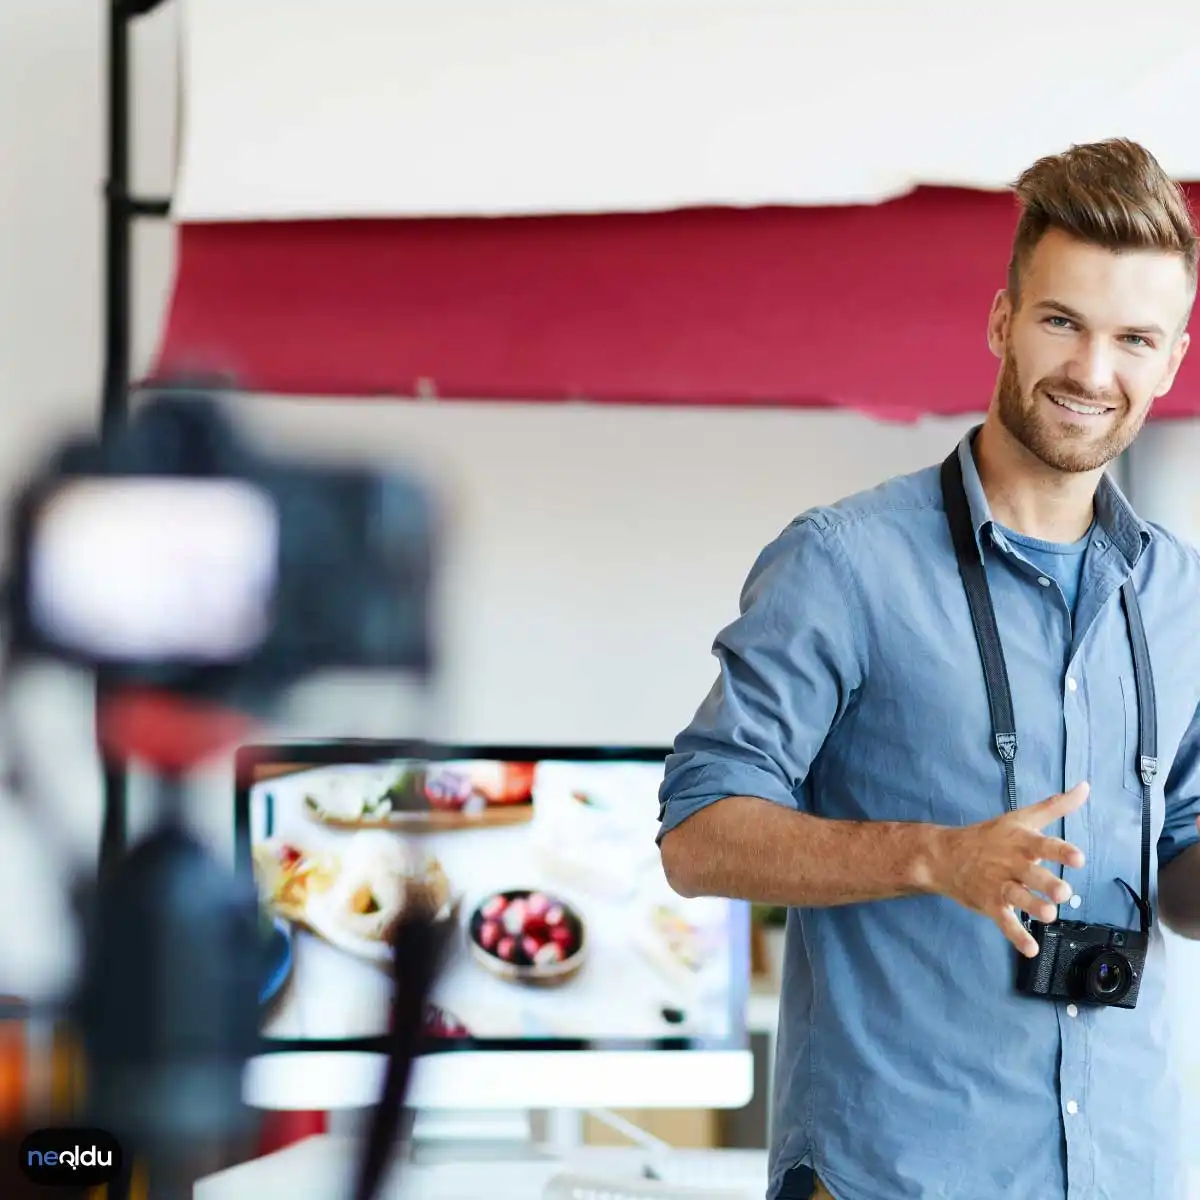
1086 409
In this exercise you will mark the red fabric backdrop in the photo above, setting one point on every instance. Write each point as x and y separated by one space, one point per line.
876 308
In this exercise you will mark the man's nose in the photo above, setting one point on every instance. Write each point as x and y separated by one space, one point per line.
1092 367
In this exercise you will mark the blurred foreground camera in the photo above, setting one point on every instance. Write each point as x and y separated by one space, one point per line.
200 578
176 556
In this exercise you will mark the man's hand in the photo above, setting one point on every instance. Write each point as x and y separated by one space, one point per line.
994 868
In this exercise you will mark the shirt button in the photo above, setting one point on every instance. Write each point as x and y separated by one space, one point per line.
1101 544
1071 684
1075 901
1072 1107
1072 1010
1043 581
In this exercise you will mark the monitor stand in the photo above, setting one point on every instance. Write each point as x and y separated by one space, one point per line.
453 1135
463 1135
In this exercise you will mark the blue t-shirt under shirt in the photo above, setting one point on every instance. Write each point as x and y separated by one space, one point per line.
1061 561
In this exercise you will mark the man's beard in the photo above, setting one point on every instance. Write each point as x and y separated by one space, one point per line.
1063 446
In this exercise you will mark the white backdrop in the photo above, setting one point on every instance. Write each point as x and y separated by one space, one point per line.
400 107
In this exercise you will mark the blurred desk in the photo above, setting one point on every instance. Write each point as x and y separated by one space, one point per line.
319 1169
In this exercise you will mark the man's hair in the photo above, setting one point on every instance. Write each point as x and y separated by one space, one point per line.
1112 194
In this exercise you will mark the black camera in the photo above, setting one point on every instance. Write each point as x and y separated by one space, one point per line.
175 555
1089 964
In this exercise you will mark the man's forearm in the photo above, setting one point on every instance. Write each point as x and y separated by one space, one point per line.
1179 893
751 849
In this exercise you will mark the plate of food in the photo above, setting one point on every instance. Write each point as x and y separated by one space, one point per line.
590 830
680 938
290 875
380 877
526 935
421 797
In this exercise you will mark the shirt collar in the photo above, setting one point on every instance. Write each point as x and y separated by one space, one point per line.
1114 514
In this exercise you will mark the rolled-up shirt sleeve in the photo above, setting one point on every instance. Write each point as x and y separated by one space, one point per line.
1182 795
788 667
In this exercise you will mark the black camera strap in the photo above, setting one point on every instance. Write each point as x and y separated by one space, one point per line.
1004 727
1147 734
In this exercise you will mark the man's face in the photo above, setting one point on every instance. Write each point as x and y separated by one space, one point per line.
1096 339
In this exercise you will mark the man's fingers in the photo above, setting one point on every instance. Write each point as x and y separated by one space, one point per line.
1039 879
1016 933
1039 815
1036 906
1051 849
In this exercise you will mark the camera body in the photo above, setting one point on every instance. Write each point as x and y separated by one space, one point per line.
263 571
1085 963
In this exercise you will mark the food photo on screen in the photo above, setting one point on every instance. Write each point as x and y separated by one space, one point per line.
561 922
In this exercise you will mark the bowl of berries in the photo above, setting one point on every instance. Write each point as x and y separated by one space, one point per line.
527 936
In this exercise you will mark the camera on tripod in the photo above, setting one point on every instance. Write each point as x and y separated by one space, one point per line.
200 577
178 557
1085 963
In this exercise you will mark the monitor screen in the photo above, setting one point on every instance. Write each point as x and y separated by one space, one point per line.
564 931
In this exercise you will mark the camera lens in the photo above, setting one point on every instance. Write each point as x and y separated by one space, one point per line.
1108 977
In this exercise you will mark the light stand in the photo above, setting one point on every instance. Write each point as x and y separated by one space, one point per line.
121 210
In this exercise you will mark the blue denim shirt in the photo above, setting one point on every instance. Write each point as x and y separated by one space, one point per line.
850 687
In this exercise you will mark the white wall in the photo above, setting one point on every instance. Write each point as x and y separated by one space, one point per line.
51 168
596 551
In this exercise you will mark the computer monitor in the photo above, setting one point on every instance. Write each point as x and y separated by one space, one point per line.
576 977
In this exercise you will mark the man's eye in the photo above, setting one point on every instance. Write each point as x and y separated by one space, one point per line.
1061 322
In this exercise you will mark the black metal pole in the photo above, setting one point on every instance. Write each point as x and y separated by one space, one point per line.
118 242
120 211
118 270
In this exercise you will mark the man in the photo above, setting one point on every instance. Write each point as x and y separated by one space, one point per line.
844 763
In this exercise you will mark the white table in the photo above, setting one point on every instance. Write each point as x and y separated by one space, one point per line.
318 1169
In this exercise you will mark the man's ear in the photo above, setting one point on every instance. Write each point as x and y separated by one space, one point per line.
998 323
1181 348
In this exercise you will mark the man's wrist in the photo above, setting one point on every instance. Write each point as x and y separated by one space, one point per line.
931 852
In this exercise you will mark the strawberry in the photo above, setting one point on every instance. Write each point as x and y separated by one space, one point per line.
514 917
537 929
547 954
